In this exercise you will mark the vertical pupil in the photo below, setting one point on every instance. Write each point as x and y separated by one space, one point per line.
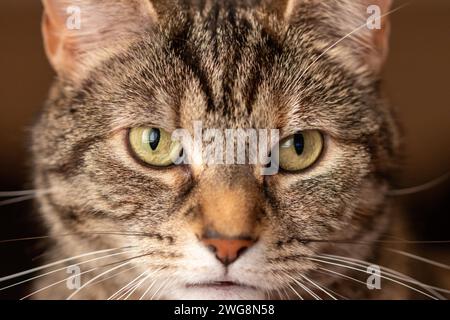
299 143
154 137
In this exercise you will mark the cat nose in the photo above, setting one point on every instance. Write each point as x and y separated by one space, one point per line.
226 249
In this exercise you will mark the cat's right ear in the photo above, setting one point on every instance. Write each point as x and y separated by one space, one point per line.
79 33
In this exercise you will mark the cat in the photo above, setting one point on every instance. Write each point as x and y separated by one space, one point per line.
131 72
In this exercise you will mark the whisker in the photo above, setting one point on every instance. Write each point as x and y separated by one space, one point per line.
60 269
22 273
125 286
295 291
339 275
342 275
393 273
266 295
317 286
419 258
337 294
285 292
374 242
84 272
17 200
423 187
5 194
145 279
113 233
169 283
96 277
304 287
58 282
390 272
133 287
364 271
114 275
148 290
162 286
279 290
287 295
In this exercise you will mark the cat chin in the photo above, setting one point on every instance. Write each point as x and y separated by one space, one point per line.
216 293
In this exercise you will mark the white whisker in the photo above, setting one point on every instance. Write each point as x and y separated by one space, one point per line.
132 287
342 275
96 277
135 287
58 282
63 268
318 287
304 287
150 286
162 286
331 272
148 289
16 200
5 194
22 273
125 286
295 291
416 257
113 275
364 271
390 272
287 295
146 278
283 288
426 186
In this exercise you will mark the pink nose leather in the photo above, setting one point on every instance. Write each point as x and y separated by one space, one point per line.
227 250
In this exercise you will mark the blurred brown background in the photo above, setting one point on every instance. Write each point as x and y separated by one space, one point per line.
417 79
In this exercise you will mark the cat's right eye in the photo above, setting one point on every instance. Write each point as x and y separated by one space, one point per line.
154 146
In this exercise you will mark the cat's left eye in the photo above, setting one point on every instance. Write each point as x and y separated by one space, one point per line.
300 150
154 146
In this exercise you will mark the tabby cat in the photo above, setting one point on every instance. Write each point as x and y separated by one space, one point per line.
137 225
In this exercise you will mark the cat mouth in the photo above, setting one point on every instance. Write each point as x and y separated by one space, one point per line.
220 285
222 290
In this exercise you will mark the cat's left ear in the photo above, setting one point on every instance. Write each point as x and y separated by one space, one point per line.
77 33
359 25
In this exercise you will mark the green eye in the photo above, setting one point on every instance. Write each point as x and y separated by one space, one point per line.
154 146
300 150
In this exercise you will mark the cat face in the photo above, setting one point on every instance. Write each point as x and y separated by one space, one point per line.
214 231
